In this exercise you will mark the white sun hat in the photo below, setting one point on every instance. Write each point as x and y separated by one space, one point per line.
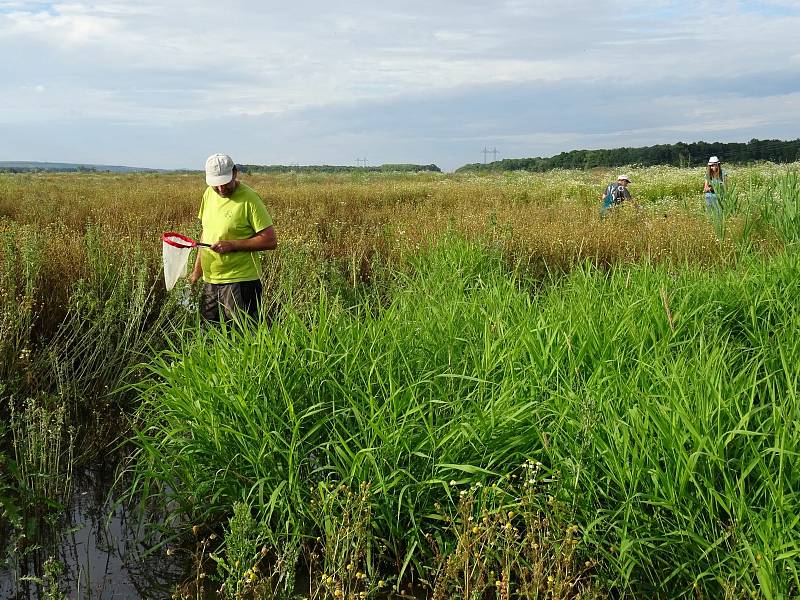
625 177
713 160
219 169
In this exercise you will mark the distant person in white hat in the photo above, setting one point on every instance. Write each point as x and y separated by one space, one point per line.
238 226
714 186
615 193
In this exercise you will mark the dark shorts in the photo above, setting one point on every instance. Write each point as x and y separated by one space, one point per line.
222 300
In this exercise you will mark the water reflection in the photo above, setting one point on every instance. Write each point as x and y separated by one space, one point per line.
103 550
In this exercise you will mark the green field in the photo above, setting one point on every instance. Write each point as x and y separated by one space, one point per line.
464 386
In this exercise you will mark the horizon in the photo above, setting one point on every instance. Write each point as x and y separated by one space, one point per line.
23 163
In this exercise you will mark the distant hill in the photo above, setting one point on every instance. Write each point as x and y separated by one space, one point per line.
678 155
30 166
386 168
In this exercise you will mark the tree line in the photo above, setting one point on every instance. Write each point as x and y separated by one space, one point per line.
74 168
385 168
679 155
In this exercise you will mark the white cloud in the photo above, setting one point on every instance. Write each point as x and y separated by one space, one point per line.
157 63
69 27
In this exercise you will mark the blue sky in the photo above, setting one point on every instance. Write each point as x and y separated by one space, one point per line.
156 84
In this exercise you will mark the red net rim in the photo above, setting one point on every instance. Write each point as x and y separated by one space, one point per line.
168 237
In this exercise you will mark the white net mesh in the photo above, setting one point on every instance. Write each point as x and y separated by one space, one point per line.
174 263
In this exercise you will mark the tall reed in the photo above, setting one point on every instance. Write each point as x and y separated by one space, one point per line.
662 403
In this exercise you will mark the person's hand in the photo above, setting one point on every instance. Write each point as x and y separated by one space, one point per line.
194 277
224 246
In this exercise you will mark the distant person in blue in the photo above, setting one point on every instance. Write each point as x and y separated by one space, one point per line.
714 187
616 193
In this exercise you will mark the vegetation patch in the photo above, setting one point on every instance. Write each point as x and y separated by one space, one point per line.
464 385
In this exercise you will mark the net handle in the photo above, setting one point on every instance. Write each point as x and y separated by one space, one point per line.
190 243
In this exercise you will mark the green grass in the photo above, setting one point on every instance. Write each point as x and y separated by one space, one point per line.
662 404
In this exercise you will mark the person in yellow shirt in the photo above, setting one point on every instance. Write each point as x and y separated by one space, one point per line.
237 225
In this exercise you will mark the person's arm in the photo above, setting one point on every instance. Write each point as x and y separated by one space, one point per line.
197 272
266 239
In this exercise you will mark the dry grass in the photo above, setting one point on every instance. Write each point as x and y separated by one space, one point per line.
550 217
341 227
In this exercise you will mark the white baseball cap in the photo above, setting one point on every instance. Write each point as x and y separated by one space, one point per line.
713 160
625 177
219 169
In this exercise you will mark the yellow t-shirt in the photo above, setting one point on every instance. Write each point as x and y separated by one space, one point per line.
236 218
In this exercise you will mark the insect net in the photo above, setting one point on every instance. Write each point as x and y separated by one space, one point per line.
176 250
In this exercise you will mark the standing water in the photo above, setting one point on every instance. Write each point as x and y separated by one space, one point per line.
92 549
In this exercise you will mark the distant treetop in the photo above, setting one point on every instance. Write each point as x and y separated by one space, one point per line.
386 168
677 155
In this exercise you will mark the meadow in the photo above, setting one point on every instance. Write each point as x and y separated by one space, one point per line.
463 387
